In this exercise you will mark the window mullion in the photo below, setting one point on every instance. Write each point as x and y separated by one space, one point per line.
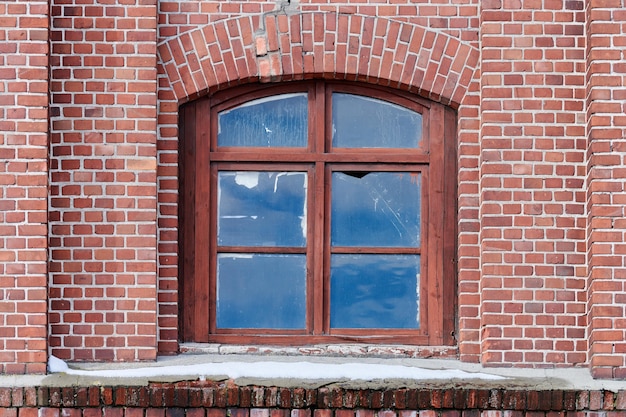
316 222
318 119
318 214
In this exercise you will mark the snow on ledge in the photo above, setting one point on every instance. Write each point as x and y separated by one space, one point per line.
279 370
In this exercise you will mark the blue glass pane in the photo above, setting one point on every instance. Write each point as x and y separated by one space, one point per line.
364 122
374 291
268 122
261 291
375 209
258 208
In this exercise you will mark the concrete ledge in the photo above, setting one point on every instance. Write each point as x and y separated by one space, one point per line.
521 393
201 368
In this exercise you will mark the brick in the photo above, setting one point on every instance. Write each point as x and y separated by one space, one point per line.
345 413
376 399
175 412
300 413
195 412
5 397
213 412
322 413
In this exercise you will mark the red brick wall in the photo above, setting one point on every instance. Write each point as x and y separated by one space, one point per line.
23 185
539 91
606 197
103 196
532 187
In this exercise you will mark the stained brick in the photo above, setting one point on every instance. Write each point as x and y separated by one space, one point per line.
175 412
510 399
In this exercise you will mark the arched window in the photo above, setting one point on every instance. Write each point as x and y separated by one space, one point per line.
317 212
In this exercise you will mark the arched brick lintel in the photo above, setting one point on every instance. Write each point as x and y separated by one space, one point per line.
293 46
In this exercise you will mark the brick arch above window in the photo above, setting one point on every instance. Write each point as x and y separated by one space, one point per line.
284 47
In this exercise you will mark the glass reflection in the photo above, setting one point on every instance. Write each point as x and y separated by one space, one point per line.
365 122
261 291
277 121
374 291
375 209
258 208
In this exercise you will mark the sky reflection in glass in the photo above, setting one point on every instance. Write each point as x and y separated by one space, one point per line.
261 291
375 209
259 208
374 291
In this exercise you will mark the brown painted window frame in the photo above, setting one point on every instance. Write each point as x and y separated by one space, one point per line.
200 157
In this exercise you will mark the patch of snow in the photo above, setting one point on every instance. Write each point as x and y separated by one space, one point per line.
279 370
56 365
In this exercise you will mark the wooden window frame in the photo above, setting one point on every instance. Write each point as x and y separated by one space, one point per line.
200 158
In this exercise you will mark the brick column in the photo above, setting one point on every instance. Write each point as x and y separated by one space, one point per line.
606 123
23 185
104 186
532 199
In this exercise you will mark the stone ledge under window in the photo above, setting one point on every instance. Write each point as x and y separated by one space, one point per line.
224 371
332 350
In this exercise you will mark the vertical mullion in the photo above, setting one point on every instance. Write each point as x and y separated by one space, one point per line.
319 115
317 252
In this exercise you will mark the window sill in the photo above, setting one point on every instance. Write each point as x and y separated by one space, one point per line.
332 350
253 372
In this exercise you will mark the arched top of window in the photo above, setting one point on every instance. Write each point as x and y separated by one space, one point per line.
275 121
366 122
358 121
